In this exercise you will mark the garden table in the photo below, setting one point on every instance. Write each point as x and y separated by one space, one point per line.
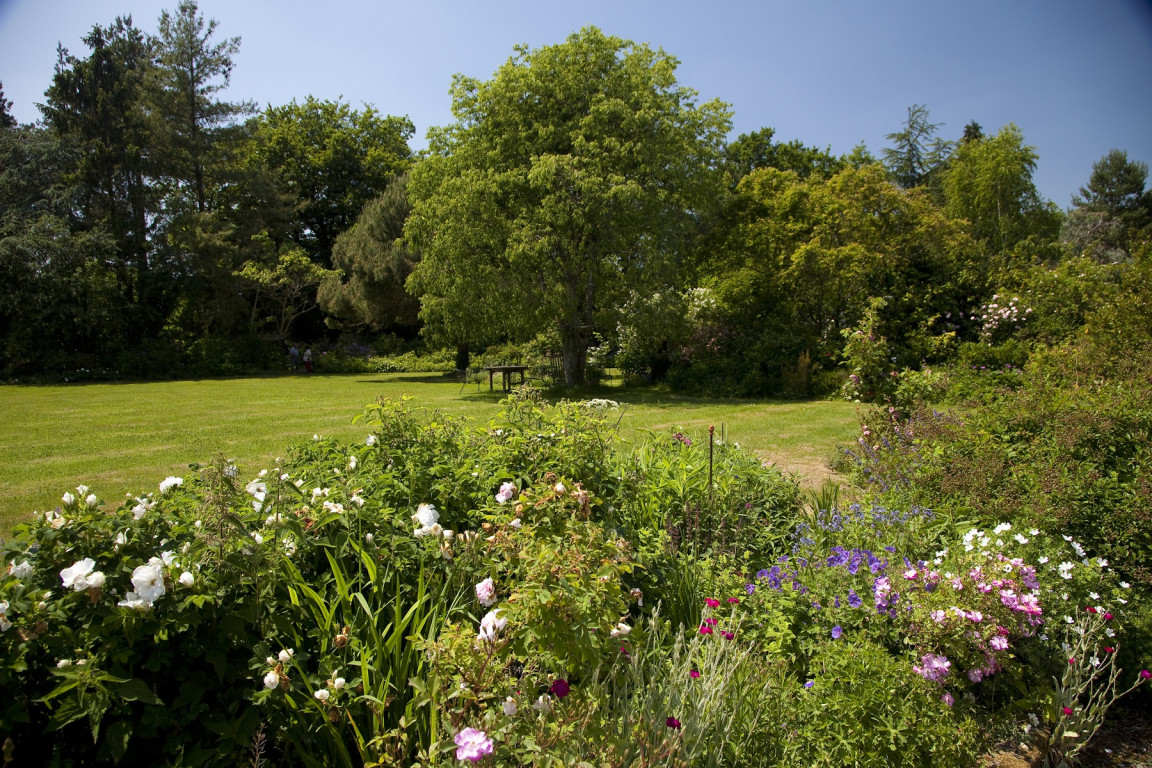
505 372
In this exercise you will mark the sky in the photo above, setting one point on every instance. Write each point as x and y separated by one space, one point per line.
1074 76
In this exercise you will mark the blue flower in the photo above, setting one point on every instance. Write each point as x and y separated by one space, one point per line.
810 683
836 632
854 599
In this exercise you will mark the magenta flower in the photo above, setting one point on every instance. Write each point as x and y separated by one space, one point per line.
1090 609
1145 674
472 745
1067 710
705 629
712 602
559 688
733 599
1107 617
673 723
727 635
710 621
948 699
694 674
1108 649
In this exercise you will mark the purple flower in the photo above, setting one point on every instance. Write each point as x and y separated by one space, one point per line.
559 688
810 683
836 632
672 723
854 599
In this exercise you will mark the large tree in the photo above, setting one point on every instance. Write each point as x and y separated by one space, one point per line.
374 265
916 152
578 172
1112 210
989 182
331 160
190 72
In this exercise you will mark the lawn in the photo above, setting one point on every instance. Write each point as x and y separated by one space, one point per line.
121 438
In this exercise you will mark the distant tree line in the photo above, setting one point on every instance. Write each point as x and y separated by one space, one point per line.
582 196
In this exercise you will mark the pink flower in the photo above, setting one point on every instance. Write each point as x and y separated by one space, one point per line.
472 745
1145 674
710 621
998 643
712 603
1072 661
486 592
506 492
559 688
1107 617
1067 710
727 635
948 699
694 674
733 599
705 629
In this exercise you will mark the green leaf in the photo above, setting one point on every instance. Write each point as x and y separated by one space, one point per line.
138 690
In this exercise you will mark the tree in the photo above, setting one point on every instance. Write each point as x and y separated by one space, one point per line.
6 118
375 264
578 172
989 183
284 291
1111 210
757 150
917 151
332 160
190 71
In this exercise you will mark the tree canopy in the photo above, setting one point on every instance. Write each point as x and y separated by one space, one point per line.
579 171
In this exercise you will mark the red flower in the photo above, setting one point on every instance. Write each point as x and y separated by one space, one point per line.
712 602
559 688
672 722
1090 609
1108 649
1067 710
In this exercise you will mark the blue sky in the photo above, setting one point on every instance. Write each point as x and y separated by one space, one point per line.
1076 77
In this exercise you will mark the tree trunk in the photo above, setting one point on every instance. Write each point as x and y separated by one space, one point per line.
463 357
572 346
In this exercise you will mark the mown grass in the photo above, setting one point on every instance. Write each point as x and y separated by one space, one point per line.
125 438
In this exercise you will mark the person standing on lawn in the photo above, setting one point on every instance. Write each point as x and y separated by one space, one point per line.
293 359
308 360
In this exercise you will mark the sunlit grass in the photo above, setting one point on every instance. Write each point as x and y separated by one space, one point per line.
120 438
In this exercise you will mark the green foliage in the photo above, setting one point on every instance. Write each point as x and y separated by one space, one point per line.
535 213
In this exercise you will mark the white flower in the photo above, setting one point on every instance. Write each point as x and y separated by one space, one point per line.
368 537
543 704
371 440
63 663
1123 584
1110 632
1020 538
447 533
1093 595
1043 559
263 473
81 490
257 537
91 500
144 505
338 683
286 655
357 499
1102 562
289 545
322 695
169 483
187 579
20 570
351 462
426 515
490 625
486 592
506 492
271 680
315 437
510 706
134 601
76 575
621 629
148 580
68 499
515 523
270 661
560 488
96 580
197 524
1002 527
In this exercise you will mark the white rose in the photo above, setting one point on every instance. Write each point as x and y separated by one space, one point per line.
271 680
187 579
